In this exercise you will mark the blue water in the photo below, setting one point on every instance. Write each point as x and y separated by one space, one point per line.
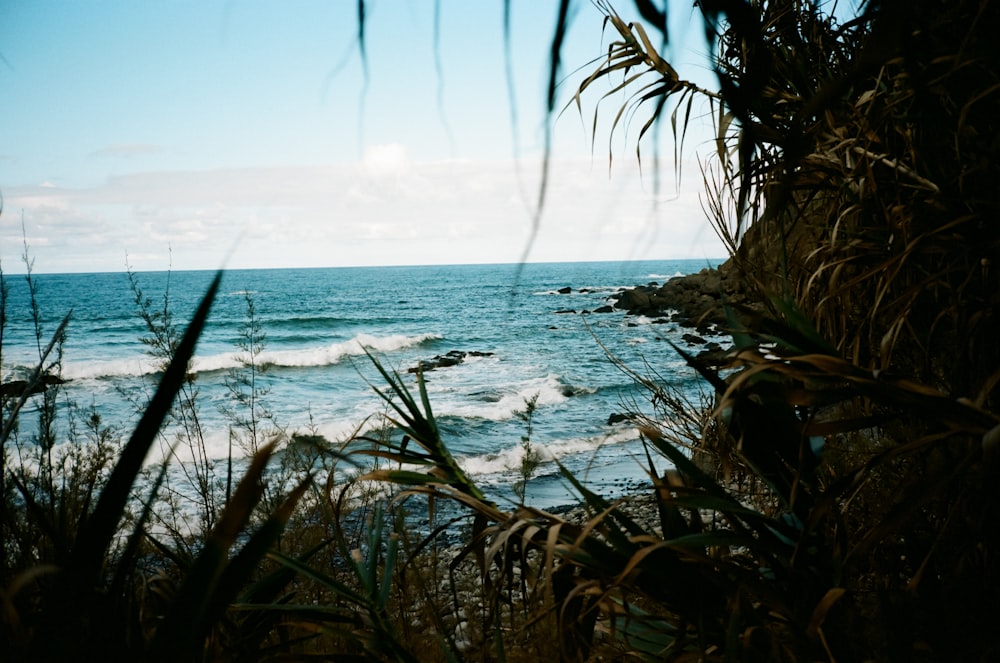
317 320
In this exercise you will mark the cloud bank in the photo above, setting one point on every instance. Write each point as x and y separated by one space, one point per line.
383 210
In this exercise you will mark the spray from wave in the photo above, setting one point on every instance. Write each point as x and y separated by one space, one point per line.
325 355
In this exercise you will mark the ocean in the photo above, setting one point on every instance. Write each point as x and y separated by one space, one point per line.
524 338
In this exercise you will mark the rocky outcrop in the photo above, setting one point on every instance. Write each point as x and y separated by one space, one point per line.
619 417
452 358
14 388
694 300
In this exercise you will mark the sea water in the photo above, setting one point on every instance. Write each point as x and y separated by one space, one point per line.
512 319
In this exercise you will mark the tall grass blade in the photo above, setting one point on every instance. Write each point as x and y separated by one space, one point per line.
420 427
125 562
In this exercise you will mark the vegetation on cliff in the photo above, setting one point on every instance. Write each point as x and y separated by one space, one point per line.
856 189
834 501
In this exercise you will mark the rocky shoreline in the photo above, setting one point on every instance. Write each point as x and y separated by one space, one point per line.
694 300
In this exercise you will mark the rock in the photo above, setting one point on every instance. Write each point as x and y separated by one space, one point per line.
565 291
619 417
452 358
691 339
696 297
15 388
711 356
604 309
566 310
461 639
633 301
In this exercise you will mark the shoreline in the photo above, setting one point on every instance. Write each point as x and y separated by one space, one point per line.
695 300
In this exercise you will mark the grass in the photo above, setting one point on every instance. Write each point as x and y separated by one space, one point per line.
835 501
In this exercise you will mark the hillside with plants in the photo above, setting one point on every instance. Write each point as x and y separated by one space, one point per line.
834 500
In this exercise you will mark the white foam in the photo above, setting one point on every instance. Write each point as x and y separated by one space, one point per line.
512 399
326 355
664 277
586 290
98 368
509 460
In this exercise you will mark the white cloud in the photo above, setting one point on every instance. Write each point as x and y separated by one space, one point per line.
389 159
384 210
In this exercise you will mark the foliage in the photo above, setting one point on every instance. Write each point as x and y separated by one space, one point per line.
162 341
861 390
530 458
252 423
53 487
835 501
854 190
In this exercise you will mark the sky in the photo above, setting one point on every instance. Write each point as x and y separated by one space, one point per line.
250 134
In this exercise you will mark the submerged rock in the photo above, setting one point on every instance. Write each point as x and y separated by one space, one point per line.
692 339
620 417
452 358
14 388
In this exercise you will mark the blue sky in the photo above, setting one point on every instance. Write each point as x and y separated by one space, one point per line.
244 134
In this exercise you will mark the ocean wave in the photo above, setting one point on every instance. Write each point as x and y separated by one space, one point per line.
509 460
555 292
325 355
335 352
665 277
502 404
92 369
640 320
